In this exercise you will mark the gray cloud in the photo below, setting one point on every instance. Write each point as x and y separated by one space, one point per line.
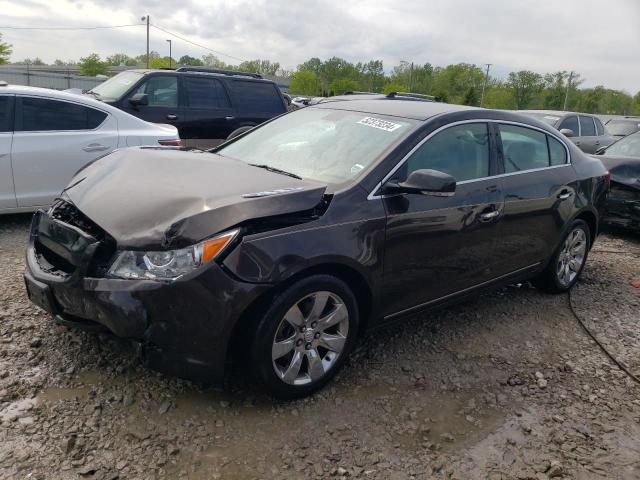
593 37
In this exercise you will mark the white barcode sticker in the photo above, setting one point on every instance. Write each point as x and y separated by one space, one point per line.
379 124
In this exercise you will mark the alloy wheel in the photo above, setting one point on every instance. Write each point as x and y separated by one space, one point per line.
571 257
310 338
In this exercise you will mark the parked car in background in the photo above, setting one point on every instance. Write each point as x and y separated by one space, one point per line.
284 244
621 127
585 130
622 159
206 105
47 135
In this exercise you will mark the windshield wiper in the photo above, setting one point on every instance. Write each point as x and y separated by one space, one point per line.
275 170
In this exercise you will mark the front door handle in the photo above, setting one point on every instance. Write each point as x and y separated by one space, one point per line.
172 116
95 147
229 118
488 216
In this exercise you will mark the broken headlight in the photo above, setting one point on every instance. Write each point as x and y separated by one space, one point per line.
168 264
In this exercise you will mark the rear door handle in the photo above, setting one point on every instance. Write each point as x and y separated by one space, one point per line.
95 147
488 216
172 116
564 195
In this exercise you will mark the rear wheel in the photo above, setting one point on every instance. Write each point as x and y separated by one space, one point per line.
305 336
567 262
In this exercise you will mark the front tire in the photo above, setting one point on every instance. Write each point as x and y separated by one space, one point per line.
305 336
567 262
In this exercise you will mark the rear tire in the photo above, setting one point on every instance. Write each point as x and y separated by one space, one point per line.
238 131
304 337
567 262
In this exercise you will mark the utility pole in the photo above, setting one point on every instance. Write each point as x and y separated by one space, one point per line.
169 53
484 84
147 17
566 95
411 78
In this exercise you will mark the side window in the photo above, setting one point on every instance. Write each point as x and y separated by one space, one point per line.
599 126
587 127
161 90
6 113
523 148
262 97
40 114
571 123
461 151
557 152
205 93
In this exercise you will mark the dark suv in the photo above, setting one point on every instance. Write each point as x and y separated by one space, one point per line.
206 105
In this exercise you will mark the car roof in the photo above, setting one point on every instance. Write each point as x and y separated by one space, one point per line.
145 71
394 107
56 94
557 113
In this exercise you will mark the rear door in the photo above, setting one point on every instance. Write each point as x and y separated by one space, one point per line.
7 193
53 138
538 186
209 117
603 139
588 138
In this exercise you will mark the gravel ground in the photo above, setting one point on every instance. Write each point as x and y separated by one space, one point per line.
505 386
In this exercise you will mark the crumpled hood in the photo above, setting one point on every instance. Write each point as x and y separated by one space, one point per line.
156 197
623 170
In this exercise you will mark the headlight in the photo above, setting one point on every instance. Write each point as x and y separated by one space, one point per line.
168 264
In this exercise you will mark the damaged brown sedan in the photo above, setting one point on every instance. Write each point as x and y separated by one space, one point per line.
283 245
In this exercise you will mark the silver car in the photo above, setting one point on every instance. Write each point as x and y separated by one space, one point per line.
47 135
583 129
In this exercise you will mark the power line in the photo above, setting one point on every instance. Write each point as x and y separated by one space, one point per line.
71 28
197 44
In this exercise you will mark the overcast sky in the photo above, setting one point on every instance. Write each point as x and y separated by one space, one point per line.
598 38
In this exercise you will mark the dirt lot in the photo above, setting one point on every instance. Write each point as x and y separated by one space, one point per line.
505 386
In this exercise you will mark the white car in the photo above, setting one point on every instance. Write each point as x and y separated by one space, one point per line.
47 135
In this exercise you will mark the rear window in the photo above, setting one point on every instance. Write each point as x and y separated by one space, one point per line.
205 93
39 114
587 127
599 126
6 113
258 97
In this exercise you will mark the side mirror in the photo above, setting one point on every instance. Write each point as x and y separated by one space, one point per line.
425 182
567 132
139 99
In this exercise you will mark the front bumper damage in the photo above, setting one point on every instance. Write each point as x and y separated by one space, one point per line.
623 208
183 327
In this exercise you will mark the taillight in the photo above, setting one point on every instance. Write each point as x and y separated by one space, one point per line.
607 181
174 142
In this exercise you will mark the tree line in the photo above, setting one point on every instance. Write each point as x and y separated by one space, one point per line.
460 83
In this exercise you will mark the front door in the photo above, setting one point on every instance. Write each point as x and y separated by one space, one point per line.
163 101
7 193
53 139
438 246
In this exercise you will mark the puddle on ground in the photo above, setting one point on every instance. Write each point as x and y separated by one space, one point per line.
86 379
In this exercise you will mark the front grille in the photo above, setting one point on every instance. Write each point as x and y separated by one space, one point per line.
624 193
99 262
69 214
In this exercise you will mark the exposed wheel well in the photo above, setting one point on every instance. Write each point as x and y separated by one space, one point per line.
351 277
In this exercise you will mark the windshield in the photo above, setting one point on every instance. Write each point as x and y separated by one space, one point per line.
545 117
623 127
320 144
626 147
115 87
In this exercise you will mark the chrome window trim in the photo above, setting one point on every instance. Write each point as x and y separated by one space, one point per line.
373 196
